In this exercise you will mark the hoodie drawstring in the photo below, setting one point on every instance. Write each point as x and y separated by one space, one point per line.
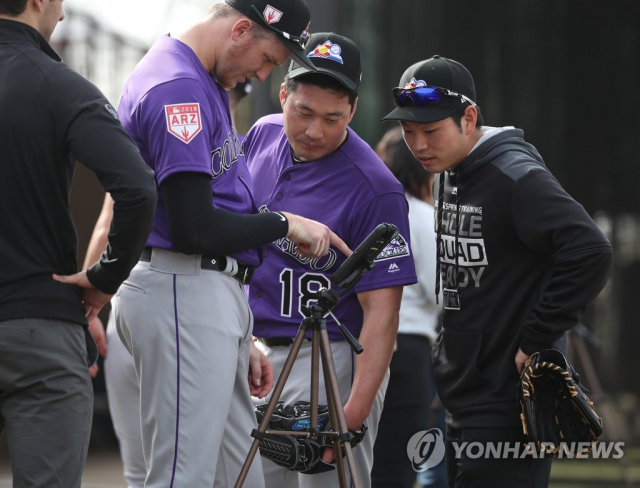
439 233
458 223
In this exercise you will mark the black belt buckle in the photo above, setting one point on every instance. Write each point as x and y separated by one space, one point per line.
146 254
215 263
244 274
276 341
219 263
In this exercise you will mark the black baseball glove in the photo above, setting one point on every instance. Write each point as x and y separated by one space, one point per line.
555 411
299 452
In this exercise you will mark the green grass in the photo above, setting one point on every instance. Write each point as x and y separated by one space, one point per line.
604 473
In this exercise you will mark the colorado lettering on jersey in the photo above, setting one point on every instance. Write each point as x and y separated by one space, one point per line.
223 157
317 264
286 246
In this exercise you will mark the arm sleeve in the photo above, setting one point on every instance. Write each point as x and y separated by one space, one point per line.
96 138
550 222
196 227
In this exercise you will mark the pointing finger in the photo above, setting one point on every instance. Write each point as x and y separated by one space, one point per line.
340 244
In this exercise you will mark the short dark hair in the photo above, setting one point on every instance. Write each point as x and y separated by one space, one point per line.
323 81
395 153
459 113
12 8
224 10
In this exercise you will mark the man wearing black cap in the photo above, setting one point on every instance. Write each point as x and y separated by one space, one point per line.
119 369
308 158
518 261
183 314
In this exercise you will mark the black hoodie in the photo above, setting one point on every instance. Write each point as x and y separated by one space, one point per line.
51 117
529 259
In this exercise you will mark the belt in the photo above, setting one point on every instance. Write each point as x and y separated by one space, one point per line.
276 341
215 263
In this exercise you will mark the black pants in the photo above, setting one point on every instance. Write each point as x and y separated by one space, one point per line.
46 400
406 411
471 467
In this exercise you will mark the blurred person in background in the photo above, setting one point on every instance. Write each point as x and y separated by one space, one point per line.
236 94
411 388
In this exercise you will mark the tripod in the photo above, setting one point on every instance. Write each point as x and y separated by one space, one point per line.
320 349
345 277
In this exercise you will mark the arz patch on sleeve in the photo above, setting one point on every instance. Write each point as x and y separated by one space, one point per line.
184 120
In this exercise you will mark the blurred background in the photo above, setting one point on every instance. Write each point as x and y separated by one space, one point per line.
567 72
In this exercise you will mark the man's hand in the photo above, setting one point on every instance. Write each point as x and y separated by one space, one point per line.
521 358
260 373
313 238
354 422
92 298
97 332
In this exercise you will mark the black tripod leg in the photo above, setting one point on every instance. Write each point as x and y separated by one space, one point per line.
277 391
332 380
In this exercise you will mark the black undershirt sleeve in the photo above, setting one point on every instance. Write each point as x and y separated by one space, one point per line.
196 227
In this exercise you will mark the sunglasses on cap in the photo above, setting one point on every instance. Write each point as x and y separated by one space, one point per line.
301 40
424 95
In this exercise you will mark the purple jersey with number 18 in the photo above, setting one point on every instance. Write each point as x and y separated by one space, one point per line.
351 191
179 118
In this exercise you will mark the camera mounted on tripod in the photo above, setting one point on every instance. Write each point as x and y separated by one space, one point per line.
361 261
346 277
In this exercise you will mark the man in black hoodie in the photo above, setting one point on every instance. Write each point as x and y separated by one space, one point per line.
51 117
518 261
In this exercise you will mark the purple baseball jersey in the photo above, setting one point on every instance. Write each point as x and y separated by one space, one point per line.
179 118
351 191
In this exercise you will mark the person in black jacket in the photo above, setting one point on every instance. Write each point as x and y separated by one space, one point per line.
51 117
518 261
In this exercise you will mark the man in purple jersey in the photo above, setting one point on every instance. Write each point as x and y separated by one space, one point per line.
120 377
307 158
183 314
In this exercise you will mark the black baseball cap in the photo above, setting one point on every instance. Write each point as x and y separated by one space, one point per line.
333 55
435 72
288 19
